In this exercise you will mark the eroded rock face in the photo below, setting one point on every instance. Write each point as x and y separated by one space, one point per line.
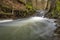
21 5
43 4
12 4
38 4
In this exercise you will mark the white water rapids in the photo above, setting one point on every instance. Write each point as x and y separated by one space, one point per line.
2 21
33 28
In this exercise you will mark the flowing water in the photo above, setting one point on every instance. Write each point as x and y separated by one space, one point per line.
33 28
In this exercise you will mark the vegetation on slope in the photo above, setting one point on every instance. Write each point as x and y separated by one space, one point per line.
23 8
16 8
56 11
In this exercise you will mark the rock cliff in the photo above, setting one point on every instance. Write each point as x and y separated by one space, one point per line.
15 6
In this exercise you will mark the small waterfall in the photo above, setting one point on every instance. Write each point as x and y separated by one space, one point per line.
33 28
41 13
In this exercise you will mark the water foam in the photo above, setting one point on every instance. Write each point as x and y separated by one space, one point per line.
34 28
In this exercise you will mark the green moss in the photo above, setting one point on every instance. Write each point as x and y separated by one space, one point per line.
56 11
58 5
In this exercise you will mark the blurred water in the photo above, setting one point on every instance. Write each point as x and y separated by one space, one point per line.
33 28
2 21
40 13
